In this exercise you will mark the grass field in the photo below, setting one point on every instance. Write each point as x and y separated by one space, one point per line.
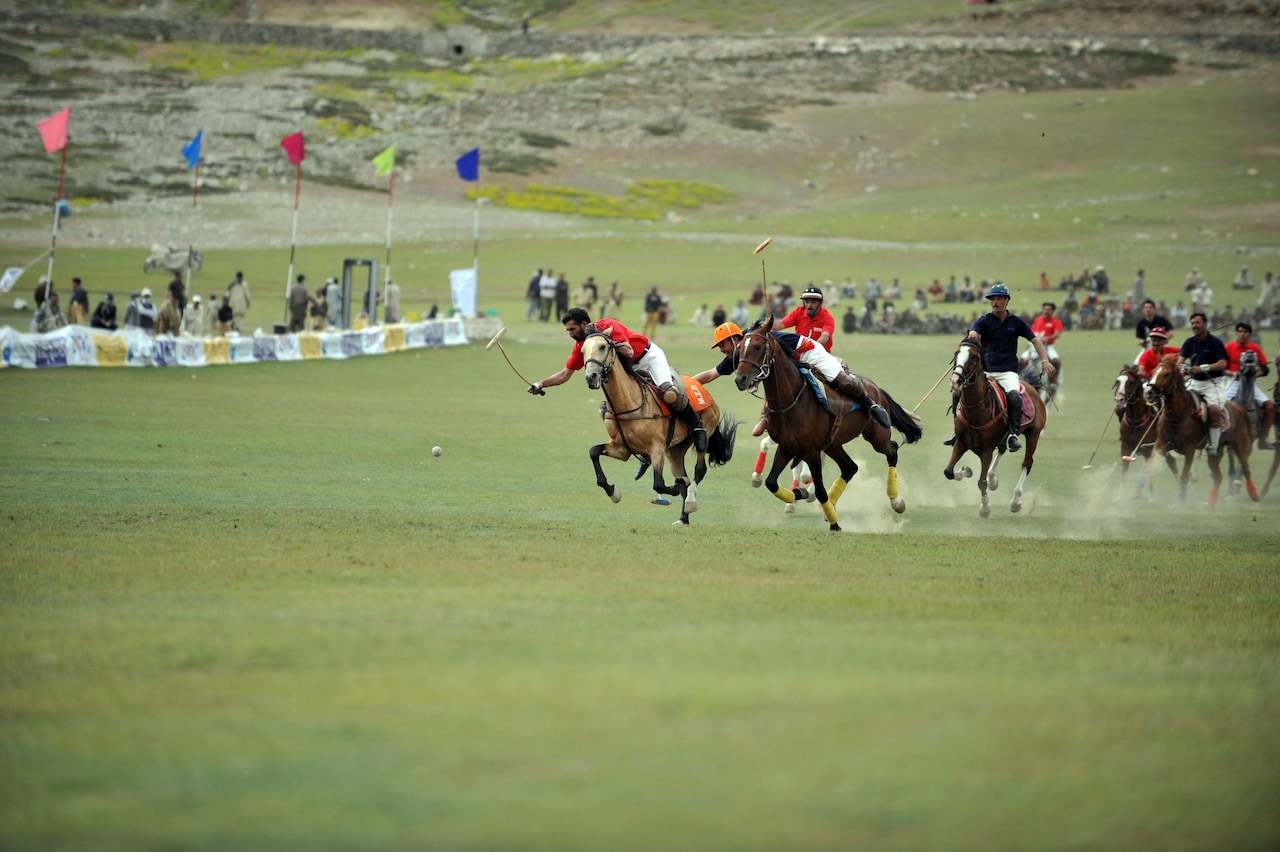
244 607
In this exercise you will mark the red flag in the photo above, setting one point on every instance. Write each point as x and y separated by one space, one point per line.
293 146
53 130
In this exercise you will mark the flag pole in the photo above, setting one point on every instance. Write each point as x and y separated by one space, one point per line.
191 230
288 283
57 215
386 276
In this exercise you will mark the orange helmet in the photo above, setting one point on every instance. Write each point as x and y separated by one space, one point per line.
724 331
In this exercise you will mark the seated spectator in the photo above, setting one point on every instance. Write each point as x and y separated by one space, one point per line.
104 316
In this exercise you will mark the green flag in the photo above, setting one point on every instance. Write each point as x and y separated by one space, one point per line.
385 162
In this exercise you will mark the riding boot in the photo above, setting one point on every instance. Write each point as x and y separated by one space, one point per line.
1215 435
1268 420
852 387
955 401
699 432
1014 401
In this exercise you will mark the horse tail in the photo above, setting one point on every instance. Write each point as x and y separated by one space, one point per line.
902 421
720 444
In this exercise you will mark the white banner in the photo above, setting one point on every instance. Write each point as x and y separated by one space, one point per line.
462 283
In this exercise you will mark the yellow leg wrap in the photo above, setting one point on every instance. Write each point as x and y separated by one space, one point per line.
829 512
785 495
891 483
834 492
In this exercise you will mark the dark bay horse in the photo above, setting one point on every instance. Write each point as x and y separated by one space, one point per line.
804 429
1182 430
638 425
1137 422
982 428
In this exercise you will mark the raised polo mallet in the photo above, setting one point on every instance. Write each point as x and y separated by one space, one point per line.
1105 426
764 279
497 339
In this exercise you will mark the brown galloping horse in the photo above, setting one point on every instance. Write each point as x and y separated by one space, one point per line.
1137 422
1181 429
982 427
1275 461
804 429
638 425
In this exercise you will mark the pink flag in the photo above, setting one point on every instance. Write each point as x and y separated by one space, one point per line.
293 146
53 130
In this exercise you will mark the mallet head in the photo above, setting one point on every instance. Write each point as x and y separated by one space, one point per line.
764 245
502 332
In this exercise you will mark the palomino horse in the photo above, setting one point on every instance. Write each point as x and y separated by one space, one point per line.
982 428
639 426
804 429
1137 422
1182 430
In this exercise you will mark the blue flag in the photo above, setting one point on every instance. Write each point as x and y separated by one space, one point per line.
469 165
192 150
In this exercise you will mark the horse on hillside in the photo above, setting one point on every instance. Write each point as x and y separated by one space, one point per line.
981 426
640 424
1182 429
804 428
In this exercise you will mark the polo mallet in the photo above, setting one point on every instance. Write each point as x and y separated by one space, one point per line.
1105 427
1138 445
912 412
497 339
764 279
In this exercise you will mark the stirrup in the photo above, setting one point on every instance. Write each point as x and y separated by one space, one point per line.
950 442
1013 443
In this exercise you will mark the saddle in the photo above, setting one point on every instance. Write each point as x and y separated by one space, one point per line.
1028 409
1204 412
820 391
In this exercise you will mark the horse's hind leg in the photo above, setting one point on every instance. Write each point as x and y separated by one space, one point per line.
984 507
1028 460
613 492
688 490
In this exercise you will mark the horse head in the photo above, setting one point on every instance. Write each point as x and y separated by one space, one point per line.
755 356
1166 380
599 355
1128 387
968 364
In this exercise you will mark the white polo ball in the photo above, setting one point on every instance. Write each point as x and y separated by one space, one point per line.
435 451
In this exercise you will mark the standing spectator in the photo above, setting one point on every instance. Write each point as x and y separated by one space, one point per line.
393 304
740 315
170 320
532 294
546 295
193 318
49 315
1267 296
1139 294
319 308
585 296
562 295
132 312
872 292
333 299
612 302
239 299
104 316
850 321
652 312
147 313
1101 282
226 316
811 319
1204 357
79 303
211 309
298 303
178 291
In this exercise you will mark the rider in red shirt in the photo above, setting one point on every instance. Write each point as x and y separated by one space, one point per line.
1236 349
811 319
1150 357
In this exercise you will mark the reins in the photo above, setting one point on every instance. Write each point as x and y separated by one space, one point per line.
765 370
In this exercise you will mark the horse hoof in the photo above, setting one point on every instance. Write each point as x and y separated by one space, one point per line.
949 473
984 512
810 495
968 472
835 528
615 494
1253 491
1015 506
789 509
899 505
690 505
682 522
756 479
993 482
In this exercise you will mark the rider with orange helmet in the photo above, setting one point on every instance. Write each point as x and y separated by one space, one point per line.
811 318
808 352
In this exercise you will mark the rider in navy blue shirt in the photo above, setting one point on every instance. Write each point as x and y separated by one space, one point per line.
999 332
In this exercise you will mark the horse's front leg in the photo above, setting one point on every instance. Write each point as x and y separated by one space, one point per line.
757 475
781 458
820 492
1215 472
687 490
957 450
610 449
984 508
992 482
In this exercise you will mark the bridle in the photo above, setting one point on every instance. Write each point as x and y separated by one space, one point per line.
1133 394
610 358
966 377
764 369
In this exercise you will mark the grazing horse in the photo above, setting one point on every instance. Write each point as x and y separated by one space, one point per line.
981 425
639 425
1182 430
803 428
1137 422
